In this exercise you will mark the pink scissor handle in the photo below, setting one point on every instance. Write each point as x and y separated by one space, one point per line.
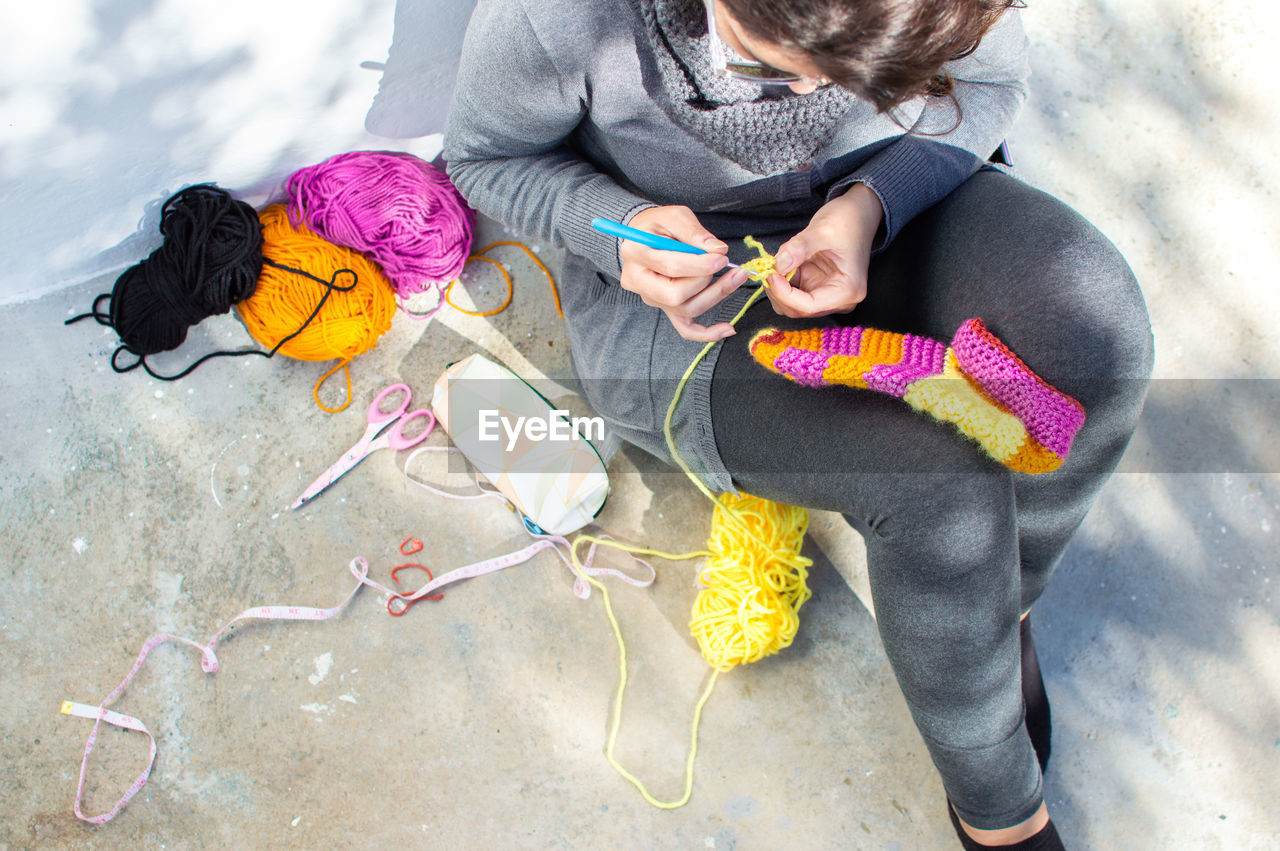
395 437
377 416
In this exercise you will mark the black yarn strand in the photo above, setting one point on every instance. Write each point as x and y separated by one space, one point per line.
331 286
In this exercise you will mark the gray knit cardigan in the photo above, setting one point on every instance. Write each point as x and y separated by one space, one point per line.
562 113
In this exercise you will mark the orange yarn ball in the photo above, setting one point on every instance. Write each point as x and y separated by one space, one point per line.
347 324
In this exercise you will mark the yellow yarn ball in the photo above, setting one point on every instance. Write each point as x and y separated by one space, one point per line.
755 581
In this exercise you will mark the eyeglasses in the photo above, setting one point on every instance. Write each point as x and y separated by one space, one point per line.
741 69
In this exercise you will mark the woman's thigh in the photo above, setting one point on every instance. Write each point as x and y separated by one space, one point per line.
1043 279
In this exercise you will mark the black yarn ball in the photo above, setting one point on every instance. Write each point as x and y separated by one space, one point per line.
211 259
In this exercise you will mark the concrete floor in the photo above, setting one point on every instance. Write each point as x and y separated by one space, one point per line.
132 507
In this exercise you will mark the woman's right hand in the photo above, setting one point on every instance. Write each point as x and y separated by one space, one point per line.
680 285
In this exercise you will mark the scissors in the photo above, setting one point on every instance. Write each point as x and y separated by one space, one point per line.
385 431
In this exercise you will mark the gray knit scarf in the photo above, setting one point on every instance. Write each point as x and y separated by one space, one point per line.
764 129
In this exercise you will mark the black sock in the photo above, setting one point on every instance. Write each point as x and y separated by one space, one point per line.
1033 695
1046 839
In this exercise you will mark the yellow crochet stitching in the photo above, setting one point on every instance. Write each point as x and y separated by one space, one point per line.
951 398
760 268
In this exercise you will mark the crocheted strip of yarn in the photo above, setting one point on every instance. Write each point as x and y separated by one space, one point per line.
755 581
1052 417
886 361
797 355
348 324
762 267
924 373
919 358
852 356
876 348
1034 458
842 340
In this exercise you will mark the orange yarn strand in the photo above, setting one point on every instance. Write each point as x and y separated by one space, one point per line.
500 308
315 391
555 293
479 255
327 303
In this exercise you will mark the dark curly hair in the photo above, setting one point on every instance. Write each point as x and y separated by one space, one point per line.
885 51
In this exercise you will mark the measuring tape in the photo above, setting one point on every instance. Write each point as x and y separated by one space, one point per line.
398 604
208 661
359 568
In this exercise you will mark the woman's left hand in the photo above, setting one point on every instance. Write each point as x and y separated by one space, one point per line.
830 257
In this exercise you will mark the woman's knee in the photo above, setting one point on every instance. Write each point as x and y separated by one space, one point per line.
1043 278
1108 330
1071 305
1102 301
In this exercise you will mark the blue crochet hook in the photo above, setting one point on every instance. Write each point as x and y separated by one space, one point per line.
652 240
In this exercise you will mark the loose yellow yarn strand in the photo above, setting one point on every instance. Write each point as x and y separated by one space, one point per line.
759 269
675 400
615 723
792 591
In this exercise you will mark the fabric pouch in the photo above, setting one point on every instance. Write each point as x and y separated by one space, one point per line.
536 455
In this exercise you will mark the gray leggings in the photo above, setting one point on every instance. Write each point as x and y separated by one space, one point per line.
957 546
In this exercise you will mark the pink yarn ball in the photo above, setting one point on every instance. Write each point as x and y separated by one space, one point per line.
401 211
